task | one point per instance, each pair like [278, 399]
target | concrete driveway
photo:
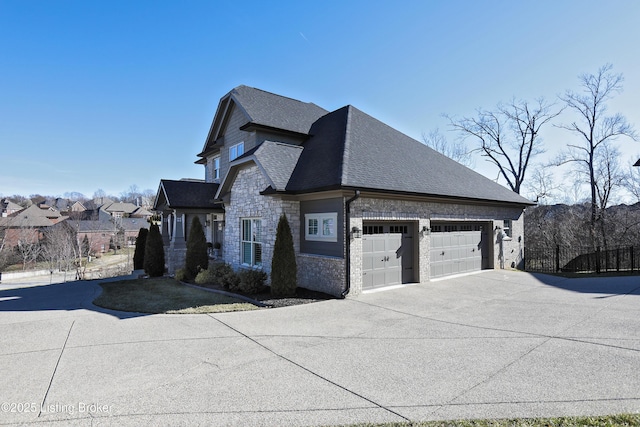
[495, 344]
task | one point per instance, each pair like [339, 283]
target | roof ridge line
[346, 145]
[276, 94]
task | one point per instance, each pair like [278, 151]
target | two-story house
[368, 206]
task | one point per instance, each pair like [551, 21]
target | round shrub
[181, 275]
[250, 281]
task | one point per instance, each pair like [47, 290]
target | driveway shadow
[66, 296]
[610, 285]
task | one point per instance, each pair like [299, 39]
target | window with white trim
[251, 242]
[321, 226]
[507, 227]
[216, 167]
[236, 151]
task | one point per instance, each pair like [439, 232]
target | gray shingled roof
[350, 149]
[33, 216]
[276, 111]
[189, 194]
[125, 207]
[278, 160]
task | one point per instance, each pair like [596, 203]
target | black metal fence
[582, 260]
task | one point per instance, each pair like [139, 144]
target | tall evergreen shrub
[154, 253]
[197, 258]
[283, 265]
[138, 254]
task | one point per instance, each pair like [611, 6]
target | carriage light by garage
[356, 233]
[425, 231]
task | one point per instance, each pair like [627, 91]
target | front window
[322, 227]
[251, 242]
[236, 151]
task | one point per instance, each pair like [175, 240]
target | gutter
[348, 245]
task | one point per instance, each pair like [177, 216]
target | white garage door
[455, 252]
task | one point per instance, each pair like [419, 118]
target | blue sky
[109, 94]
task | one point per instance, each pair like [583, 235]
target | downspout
[347, 222]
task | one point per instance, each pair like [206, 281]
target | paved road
[495, 344]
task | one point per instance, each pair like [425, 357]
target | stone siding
[174, 258]
[321, 273]
[246, 202]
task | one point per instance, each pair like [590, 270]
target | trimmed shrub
[218, 274]
[154, 253]
[138, 253]
[196, 258]
[181, 275]
[204, 277]
[250, 281]
[284, 270]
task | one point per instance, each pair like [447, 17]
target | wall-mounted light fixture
[356, 233]
[425, 231]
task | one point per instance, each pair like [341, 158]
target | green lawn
[601, 421]
[165, 295]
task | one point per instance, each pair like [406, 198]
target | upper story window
[236, 151]
[215, 173]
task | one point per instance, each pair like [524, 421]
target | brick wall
[246, 202]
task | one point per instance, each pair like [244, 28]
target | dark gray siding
[323, 248]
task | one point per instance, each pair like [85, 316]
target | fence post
[617, 259]
[598, 260]
[557, 258]
[632, 258]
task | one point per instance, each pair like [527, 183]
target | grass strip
[165, 295]
[621, 420]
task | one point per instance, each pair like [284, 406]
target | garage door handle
[442, 253]
[385, 259]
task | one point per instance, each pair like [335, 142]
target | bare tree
[609, 178]
[509, 135]
[593, 128]
[148, 197]
[60, 248]
[131, 194]
[454, 150]
[541, 186]
[28, 244]
[632, 181]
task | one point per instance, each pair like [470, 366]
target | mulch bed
[302, 296]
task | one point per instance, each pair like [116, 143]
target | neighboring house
[130, 227]
[99, 230]
[367, 205]
[120, 209]
[126, 210]
[28, 224]
[7, 207]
